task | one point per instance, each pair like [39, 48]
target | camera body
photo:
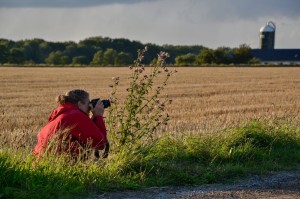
[106, 103]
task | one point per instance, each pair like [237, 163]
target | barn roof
[279, 55]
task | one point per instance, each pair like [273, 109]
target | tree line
[104, 51]
[221, 55]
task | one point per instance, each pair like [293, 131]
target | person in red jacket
[72, 127]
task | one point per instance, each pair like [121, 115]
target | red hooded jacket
[80, 127]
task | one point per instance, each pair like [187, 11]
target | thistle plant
[133, 121]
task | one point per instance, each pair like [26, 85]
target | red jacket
[82, 130]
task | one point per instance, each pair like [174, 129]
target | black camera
[106, 103]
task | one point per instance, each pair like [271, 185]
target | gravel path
[283, 185]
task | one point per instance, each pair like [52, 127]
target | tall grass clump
[256, 147]
[132, 121]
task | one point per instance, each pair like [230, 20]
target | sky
[211, 23]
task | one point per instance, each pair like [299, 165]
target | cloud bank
[211, 23]
[62, 3]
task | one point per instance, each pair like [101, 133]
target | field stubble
[204, 99]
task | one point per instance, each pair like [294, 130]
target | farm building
[276, 56]
[268, 54]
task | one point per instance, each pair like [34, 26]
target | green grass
[254, 148]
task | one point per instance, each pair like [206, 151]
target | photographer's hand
[98, 110]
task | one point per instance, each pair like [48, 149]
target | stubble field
[204, 99]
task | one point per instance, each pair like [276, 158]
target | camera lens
[106, 103]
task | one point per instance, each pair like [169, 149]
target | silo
[267, 36]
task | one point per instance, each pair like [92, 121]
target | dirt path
[283, 185]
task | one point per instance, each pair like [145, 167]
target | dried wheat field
[204, 99]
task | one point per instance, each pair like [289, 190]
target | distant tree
[222, 55]
[188, 59]
[5, 48]
[44, 51]
[71, 49]
[91, 41]
[57, 46]
[16, 56]
[109, 57]
[85, 50]
[64, 60]
[123, 59]
[152, 51]
[98, 58]
[206, 57]
[242, 55]
[4, 54]
[81, 60]
[32, 50]
[57, 58]
[176, 50]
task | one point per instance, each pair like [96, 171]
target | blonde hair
[72, 96]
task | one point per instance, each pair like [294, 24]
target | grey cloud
[253, 9]
[218, 11]
[62, 3]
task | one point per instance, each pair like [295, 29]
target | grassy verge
[254, 148]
